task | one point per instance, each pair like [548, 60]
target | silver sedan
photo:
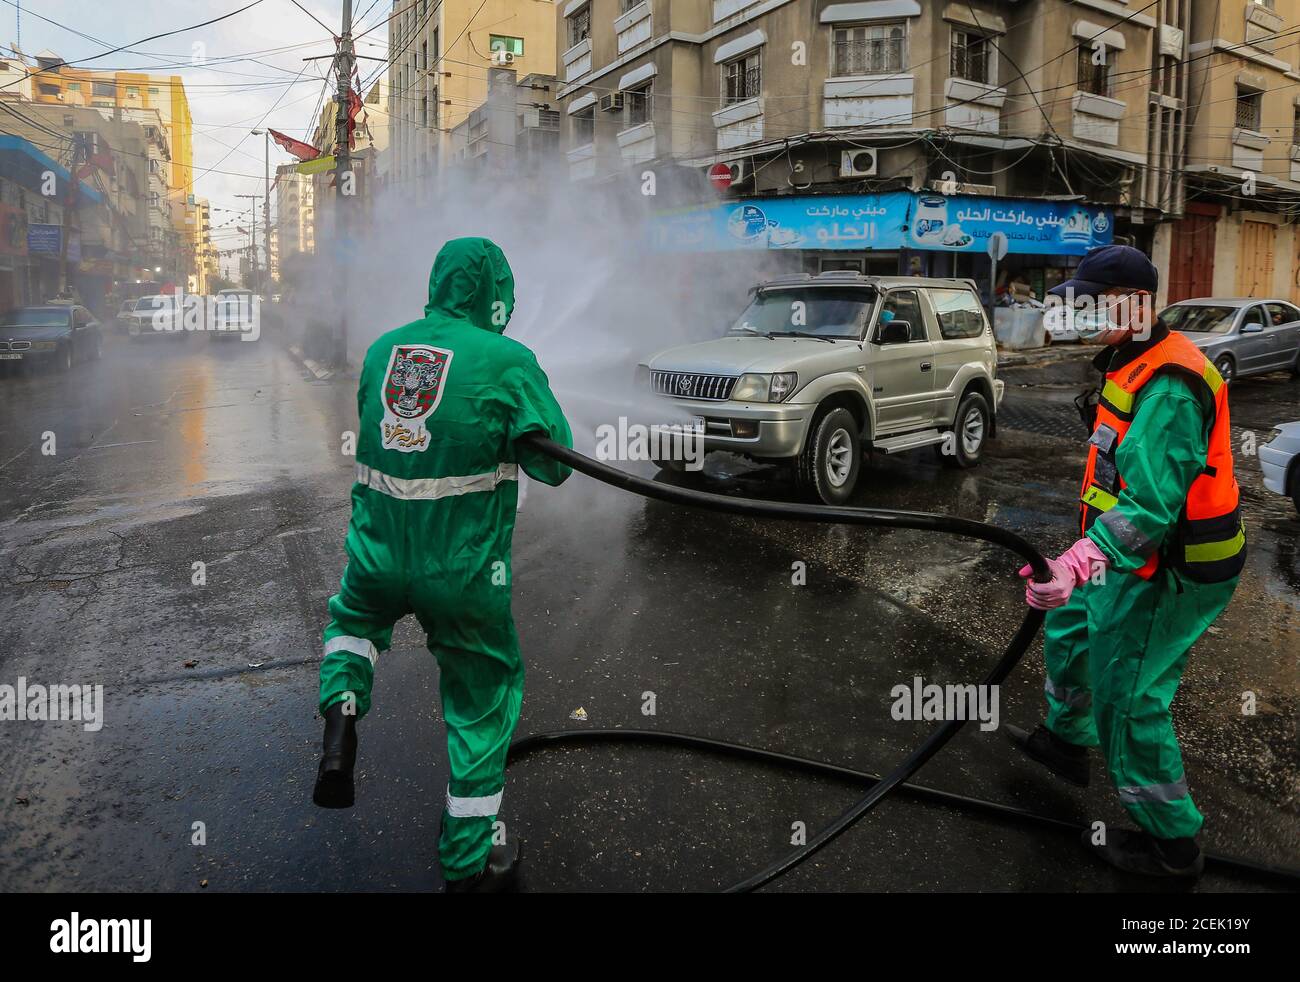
[1242, 336]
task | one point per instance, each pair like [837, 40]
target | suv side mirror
[895, 332]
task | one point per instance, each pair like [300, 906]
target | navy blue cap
[1112, 267]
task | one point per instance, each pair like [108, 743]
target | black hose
[880, 786]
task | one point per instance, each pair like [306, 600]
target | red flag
[354, 107]
[303, 151]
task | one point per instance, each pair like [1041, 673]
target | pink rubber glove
[1070, 569]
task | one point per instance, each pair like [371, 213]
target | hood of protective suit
[471, 281]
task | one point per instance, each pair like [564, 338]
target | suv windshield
[824, 311]
[155, 303]
[1198, 319]
[36, 317]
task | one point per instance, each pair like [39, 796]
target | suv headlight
[764, 388]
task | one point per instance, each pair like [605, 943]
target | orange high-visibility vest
[1209, 543]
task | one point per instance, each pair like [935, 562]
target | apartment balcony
[582, 162]
[974, 105]
[867, 100]
[1248, 148]
[633, 27]
[739, 123]
[577, 60]
[722, 9]
[637, 143]
[1096, 118]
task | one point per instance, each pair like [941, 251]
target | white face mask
[1095, 321]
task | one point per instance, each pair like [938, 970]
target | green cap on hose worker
[1125, 602]
[443, 402]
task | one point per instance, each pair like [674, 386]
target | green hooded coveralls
[442, 402]
[1116, 651]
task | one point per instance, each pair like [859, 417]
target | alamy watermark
[55, 703]
[657, 442]
[919, 701]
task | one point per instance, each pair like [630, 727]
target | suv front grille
[689, 385]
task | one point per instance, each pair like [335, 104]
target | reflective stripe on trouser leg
[1065, 651]
[348, 668]
[1141, 631]
[361, 626]
[482, 692]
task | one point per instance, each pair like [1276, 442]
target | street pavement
[174, 452]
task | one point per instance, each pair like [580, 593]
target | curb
[311, 364]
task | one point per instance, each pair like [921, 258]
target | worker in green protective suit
[442, 402]
[1158, 561]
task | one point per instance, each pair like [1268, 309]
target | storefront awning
[25, 165]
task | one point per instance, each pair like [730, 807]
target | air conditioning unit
[611, 102]
[502, 58]
[956, 187]
[857, 163]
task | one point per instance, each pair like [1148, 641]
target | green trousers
[470, 631]
[1115, 654]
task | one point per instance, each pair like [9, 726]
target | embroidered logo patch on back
[413, 385]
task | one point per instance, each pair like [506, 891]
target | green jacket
[1162, 453]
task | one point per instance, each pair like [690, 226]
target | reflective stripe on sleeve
[484, 806]
[1209, 552]
[1128, 534]
[409, 489]
[1095, 497]
[1138, 793]
[1117, 400]
[355, 646]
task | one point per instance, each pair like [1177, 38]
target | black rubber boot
[1140, 852]
[1065, 760]
[500, 875]
[334, 786]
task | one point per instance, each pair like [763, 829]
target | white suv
[820, 368]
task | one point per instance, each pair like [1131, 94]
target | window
[1254, 316]
[960, 314]
[153, 90]
[1295, 135]
[971, 56]
[742, 79]
[1281, 313]
[905, 306]
[103, 89]
[133, 91]
[584, 126]
[1093, 78]
[424, 111]
[154, 198]
[636, 103]
[47, 88]
[502, 42]
[580, 26]
[874, 49]
[1248, 108]
[74, 86]
[424, 55]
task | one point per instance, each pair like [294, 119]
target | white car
[160, 314]
[1279, 459]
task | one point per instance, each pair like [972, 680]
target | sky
[239, 74]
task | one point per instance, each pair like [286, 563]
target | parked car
[60, 335]
[160, 314]
[1279, 459]
[869, 363]
[122, 320]
[1242, 336]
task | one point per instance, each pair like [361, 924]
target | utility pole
[266, 211]
[252, 240]
[343, 179]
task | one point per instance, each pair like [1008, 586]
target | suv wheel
[970, 430]
[831, 458]
[63, 358]
[1226, 367]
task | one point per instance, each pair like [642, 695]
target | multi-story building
[1060, 123]
[1242, 166]
[54, 82]
[439, 57]
[513, 135]
[294, 207]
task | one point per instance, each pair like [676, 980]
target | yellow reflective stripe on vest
[1113, 393]
[1212, 377]
[1211, 552]
[422, 488]
[1095, 497]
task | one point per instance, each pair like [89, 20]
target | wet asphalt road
[180, 451]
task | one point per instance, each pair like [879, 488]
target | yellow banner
[317, 165]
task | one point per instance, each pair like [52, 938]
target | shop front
[899, 233]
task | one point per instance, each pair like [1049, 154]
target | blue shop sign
[895, 220]
[45, 240]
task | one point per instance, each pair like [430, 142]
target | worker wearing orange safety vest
[1161, 548]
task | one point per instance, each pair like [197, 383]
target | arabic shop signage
[44, 240]
[897, 220]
